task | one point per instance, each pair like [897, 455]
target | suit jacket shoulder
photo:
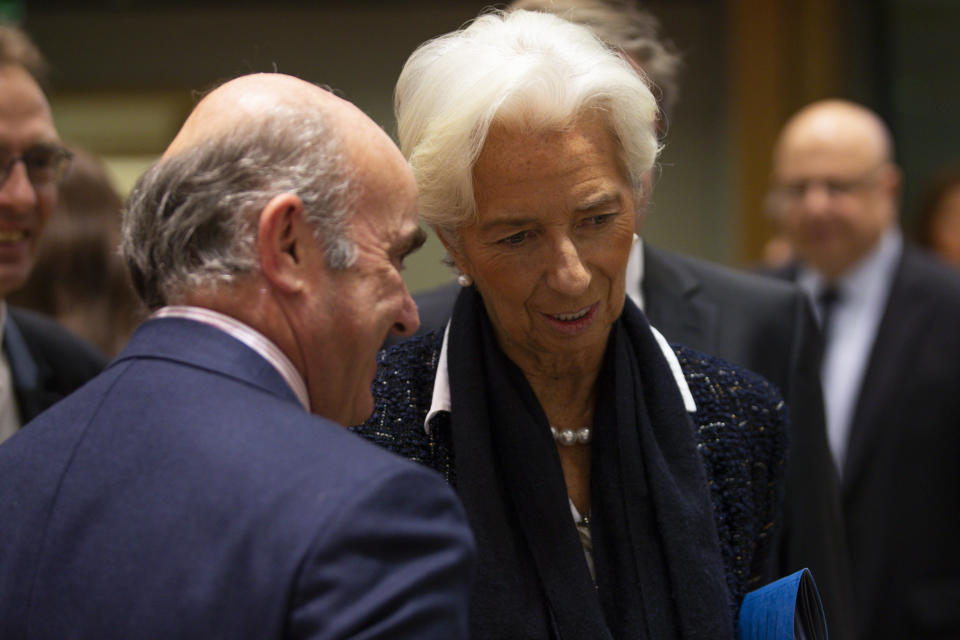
[47, 361]
[232, 506]
[742, 317]
[911, 372]
[920, 271]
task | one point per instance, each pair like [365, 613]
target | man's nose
[408, 320]
[17, 193]
[816, 197]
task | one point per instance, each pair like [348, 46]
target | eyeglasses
[45, 163]
[833, 187]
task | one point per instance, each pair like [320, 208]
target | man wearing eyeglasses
[890, 316]
[40, 362]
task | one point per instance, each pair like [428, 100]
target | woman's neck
[565, 386]
[567, 399]
[568, 402]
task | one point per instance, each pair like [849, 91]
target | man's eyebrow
[412, 242]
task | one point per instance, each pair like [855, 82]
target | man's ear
[283, 238]
[893, 181]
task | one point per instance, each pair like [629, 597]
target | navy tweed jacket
[741, 427]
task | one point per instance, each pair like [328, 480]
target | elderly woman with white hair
[618, 487]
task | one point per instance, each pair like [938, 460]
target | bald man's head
[248, 140]
[838, 122]
[835, 187]
[287, 208]
[246, 101]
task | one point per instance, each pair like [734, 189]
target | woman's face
[549, 249]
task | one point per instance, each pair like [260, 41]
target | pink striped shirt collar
[248, 336]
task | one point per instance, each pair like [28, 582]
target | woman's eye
[597, 221]
[516, 239]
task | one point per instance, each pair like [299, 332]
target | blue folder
[785, 609]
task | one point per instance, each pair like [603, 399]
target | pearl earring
[464, 280]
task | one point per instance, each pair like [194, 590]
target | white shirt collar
[9, 411]
[867, 279]
[441, 385]
[248, 336]
[635, 274]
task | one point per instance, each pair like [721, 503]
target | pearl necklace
[570, 437]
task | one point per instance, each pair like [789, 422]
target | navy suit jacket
[767, 327]
[47, 362]
[185, 493]
[901, 476]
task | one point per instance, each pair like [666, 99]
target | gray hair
[191, 219]
[524, 70]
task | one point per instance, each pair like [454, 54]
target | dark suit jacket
[901, 476]
[767, 327]
[185, 493]
[46, 361]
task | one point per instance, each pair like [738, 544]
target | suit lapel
[899, 326]
[30, 378]
[674, 302]
[884, 367]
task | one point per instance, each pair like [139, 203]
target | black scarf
[660, 573]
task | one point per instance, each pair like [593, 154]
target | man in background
[78, 277]
[40, 363]
[187, 491]
[747, 319]
[891, 366]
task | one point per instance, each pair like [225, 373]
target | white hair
[525, 71]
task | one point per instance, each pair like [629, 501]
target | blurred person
[187, 491]
[16, 47]
[617, 487]
[938, 222]
[891, 365]
[40, 362]
[79, 277]
[777, 252]
[759, 324]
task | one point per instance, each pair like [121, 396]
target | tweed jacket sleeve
[743, 436]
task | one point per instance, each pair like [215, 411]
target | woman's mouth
[573, 322]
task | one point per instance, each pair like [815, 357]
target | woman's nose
[568, 274]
